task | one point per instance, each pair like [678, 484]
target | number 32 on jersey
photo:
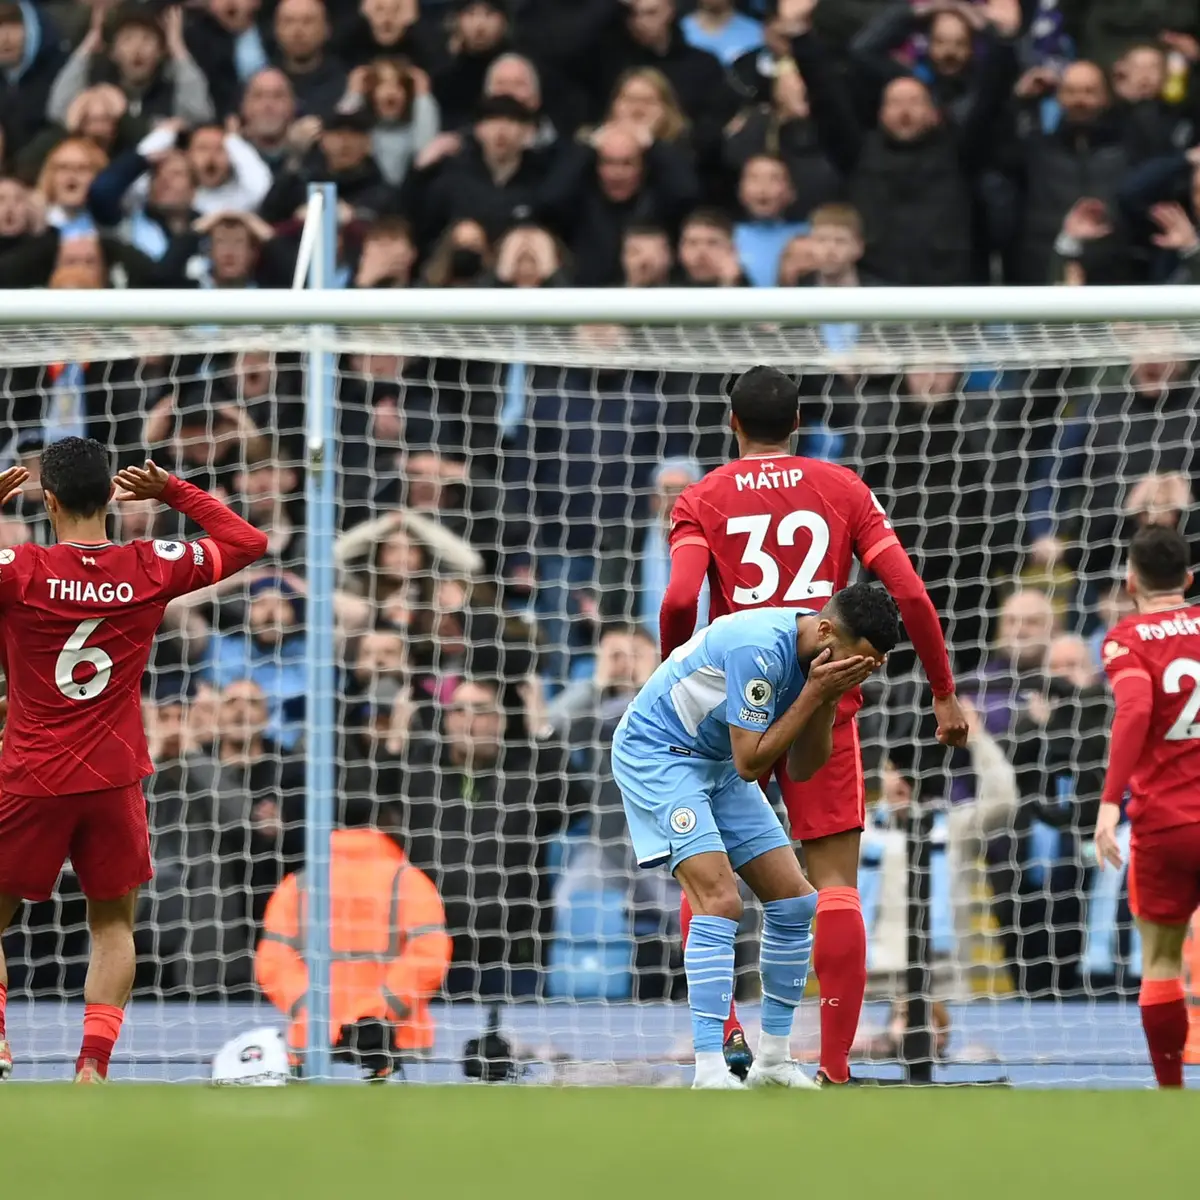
[806, 585]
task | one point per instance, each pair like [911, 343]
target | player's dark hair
[78, 473]
[1160, 557]
[868, 613]
[766, 403]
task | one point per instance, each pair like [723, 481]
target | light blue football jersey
[741, 670]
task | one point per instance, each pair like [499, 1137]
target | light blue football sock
[785, 954]
[708, 964]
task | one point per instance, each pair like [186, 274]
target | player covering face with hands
[77, 620]
[742, 694]
[777, 528]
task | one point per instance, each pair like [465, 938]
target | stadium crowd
[503, 525]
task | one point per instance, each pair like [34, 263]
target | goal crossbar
[568, 306]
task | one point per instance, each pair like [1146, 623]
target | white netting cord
[875, 346]
[501, 555]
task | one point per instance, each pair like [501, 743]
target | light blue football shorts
[679, 805]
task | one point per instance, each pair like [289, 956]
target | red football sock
[840, 961]
[101, 1028]
[685, 923]
[1165, 1021]
[3, 1005]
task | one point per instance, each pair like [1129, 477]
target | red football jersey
[78, 623]
[1165, 647]
[782, 531]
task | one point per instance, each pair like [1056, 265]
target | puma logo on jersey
[768, 479]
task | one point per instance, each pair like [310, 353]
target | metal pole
[320, 709]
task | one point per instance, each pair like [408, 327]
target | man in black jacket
[301, 41]
[912, 178]
[617, 181]
[1088, 154]
[483, 802]
[30, 59]
[343, 157]
[496, 178]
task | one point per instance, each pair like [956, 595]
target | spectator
[625, 659]
[1103, 29]
[387, 29]
[230, 46]
[949, 66]
[267, 112]
[344, 158]
[797, 262]
[971, 824]
[460, 257]
[515, 76]
[480, 810]
[1085, 156]
[650, 36]
[383, 910]
[495, 179]
[752, 75]
[405, 114]
[388, 255]
[614, 181]
[644, 101]
[271, 654]
[837, 246]
[717, 27]
[478, 36]
[782, 127]
[260, 807]
[147, 60]
[670, 479]
[646, 257]
[707, 256]
[98, 113]
[65, 180]
[766, 195]
[30, 60]
[529, 256]
[318, 79]
[922, 234]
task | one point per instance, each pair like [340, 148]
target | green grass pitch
[191, 1143]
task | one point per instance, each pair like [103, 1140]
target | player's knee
[718, 900]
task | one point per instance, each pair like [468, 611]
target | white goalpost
[464, 492]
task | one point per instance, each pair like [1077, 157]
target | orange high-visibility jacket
[388, 939]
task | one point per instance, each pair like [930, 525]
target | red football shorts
[104, 834]
[1164, 875]
[834, 799]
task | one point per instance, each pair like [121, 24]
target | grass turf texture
[180, 1143]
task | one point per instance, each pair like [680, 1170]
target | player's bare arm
[755, 753]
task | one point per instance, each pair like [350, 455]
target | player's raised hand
[141, 483]
[953, 726]
[11, 482]
[1108, 852]
[832, 680]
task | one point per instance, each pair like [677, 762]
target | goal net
[501, 497]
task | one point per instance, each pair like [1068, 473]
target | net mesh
[501, 504]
